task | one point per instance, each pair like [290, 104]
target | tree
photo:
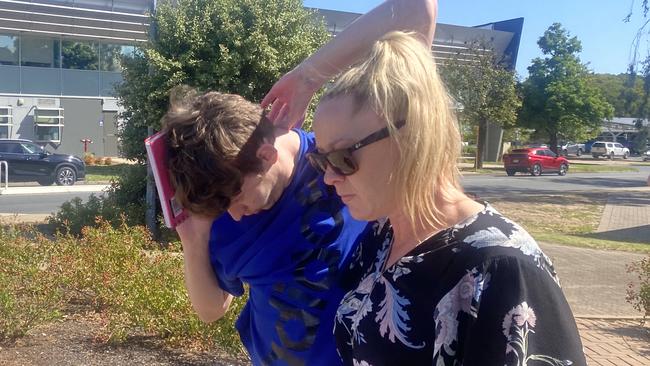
[233, 46]
[623, 91]
[559, 97]
[478, 80]
[640, 140]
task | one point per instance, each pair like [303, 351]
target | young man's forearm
[208, 299]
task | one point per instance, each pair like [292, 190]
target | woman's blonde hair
[399, 81]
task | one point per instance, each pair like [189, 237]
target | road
[38, 203]
[484, 185]
[495, 185]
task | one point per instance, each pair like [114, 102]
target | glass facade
[40, 52]
[80, 55]
[8, 50]
[60, 66]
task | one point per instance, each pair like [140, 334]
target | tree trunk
[553, 142]
[481, 138]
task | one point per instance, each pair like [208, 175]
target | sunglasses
[341, 161]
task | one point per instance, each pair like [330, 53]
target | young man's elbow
[210, 315]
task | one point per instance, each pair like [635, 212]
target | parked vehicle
[30, 162]
[609, 149]
[534, 161]
[571, 148]
[646, 156]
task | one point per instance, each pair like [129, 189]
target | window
[550, 153]
[619, 146]
[8, 50]
[80, 55]
[48, 124]
[11, 148]
[539, 152]
[40, 52]
[6, 122]
[114, 55]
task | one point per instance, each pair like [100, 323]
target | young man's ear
[268, 154]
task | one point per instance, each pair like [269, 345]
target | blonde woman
[446, 280]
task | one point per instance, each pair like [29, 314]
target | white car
[572, 148]
[646, 156]
[609, 149]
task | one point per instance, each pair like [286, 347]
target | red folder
[173, 212]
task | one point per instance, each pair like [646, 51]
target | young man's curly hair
[213, 141]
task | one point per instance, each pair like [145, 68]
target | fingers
[269, 98]
[275, 111]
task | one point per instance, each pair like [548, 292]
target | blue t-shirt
[293, 257]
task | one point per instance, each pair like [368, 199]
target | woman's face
[339, 124]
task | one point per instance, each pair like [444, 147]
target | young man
[285, 234]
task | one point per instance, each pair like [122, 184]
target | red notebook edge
[173, 213]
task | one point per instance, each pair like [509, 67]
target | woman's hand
[290, 96]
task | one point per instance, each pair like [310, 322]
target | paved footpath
[595, 282]
[626, 217]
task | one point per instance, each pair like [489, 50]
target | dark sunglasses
[341, 160]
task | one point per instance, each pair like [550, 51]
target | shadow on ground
[632, 234]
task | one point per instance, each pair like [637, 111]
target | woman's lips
[346, 197]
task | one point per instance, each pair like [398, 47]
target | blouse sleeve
[518, 316]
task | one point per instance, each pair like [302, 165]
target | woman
[453, 282]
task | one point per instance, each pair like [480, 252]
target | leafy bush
[108, 161]
[135, 285]
[28, 297]
[99, 160]
[124, 200]
[640, 298]
[89, 158]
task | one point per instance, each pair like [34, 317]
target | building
[59, 61]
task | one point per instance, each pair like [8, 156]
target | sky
[598, 24]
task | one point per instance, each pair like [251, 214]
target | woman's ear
[268, 154]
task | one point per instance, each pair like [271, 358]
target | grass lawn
[569, 219]
[103, 173]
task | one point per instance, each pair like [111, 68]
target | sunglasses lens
[342, 162]
[318, 161]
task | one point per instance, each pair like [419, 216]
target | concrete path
[53, 189]
[626, 217]
[595, 283]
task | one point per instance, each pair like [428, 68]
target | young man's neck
[287, 143]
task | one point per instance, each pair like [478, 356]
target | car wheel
[611, 156]
[536, 170]
[510, 172]
[45, 181]
[563, 169]
[625, 155]
[579, 152]
[65, 176]
[594, 156]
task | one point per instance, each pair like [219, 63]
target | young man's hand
[195, 229]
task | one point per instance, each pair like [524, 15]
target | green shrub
[28, 297]
[640, 298]
[135, 285]
[124, 201]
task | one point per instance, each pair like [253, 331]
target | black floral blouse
[478, 293]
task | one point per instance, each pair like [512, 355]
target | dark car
[28, 161]
[535, 161]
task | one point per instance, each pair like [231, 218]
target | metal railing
[4, 168]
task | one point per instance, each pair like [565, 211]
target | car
[646, 156]
[27, 161]
[572, 148]
[534, 161]
[609, 149]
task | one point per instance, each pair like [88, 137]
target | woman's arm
[291, 94]
[208, 299]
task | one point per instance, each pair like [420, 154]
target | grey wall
[82, 120]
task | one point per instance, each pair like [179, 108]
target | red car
[534, 160]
